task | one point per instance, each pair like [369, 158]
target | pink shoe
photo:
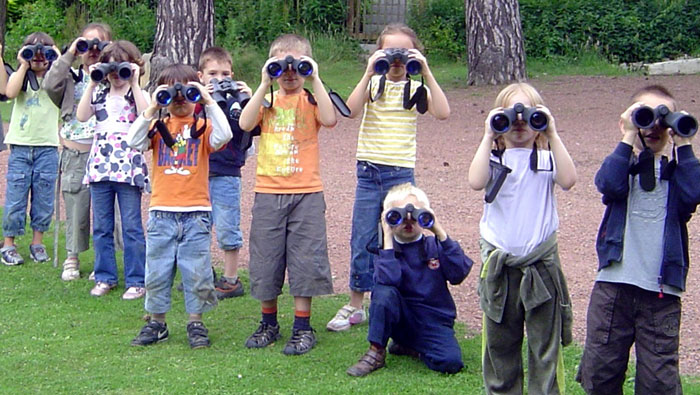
[101, 289]
[134, 293]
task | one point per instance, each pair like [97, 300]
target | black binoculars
[30, 50]
[683, 125]
[123, 70]
[302, 67]
[227, 87]
[391, 55]
[502, 122]
[397, 215]
[190, 92]
[85, 45]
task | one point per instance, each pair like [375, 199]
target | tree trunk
[183, 30]
[495, 49]
[3, 23]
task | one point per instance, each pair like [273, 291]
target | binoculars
[227, 87]
[123, 70]
[30, 51]
[682, 124]
[190, 92]
[302, 67]
[391, 55]
[502, 122]
[85, 45]
[397, 215]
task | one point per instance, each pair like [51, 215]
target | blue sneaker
[10, 256]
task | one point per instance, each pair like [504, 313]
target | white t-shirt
[524, 213]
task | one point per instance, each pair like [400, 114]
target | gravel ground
[586, 110]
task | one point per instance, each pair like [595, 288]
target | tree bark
[3, 23]
[495, 48]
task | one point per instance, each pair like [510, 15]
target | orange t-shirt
[181, 172]
[288, 155]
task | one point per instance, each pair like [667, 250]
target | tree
[495, 49]
[3, 22]
[183, 30]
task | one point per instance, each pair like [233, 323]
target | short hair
[177, 72]
[402, 191]
[122, 51]
[399, 28]
[103, 28]
[290, 42]
[511, 90]
[658, 90]
[217, 54]
[38, 38]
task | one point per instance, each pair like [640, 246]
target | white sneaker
[346, 317]
[134, 293]
[71, 269]
[91, 277]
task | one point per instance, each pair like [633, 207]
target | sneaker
[151, 333]
[371, 361]
[226, 289]
[346, 317]
[91, 277]
[198, 335]
[265, 335]
[71, 269]
[10, 256]
[301, 342]
[38, 253]
[101, 289]
[134, 293]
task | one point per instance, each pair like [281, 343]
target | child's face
[93, 55]
[38, 63]
[114, 81]
[181, 107]
[215, 69]
[657, 137]
[290, 82]
[408, 230]
[520, 134]
[397, 72]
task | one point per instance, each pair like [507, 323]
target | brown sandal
[371, 361]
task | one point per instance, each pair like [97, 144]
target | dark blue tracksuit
[412, 304]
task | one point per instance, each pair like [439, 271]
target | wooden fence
[367, 18]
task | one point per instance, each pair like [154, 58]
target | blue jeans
[103, 194]
[225, 195]
[29, 169]
[373, 182]
[182, 240]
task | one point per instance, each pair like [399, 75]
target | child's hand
[135, 75]
[679, 140]
[551, 130]
[154, 105]
[265, 78]
[74, 46]
[437, 229]
[629, 131]
[22, 62]
[206, 98]
[415, 54]
[388, 233]
[378, 54]
[243, 87]
[314, 67]
[488, 131]
[92, 83]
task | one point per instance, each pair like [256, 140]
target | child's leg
[103, 195]
[134, 241]
[225, 200]
[436, 343]
[43, 190]
[194, 261]
[161, 255]
[17, 189]
[76, 198]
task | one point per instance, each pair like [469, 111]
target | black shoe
[398, 349]
[151, 333]
[265, 335]
[198, 335]
[301, 342]
[226, 289]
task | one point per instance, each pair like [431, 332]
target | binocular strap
[419, 99]
[77, 77]
[380, 88]
[161, 128]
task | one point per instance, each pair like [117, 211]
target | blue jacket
[613, 181]
[228, 160]
[420, 271]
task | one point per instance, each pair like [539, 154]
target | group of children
[199, 146]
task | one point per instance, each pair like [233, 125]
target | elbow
[442, 115]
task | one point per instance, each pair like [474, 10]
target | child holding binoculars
[33, 140]
[65, 87]
[411, 302]
[386, 147]
[288, 230]
[642, 249]
[179, 221]
[114, 170]
[521, 280]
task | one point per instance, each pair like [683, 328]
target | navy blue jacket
[613, 181]
[420, 271]
[228, 160]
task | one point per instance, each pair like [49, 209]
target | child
[643, 256]
[225, 174]
[115, 170]
[521, 279]
[410, 299]
[65, 87]
[179, 221]
[288, 230]
[386, 154]
[33, 162]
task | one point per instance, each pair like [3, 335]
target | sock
[302, 320]
[269, 316]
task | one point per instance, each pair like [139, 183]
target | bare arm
[325, 106]
[437, 101]
[360, 95]
[566, 171]
[14, 83]
[249, 114]
[140, 100]
[85, 110]
[479, 170]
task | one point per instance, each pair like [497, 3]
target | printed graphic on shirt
[31, 102]
[281, 147]
[182, 154]
[433, 264]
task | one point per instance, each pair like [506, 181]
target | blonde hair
[402, 191]
[290, 42]
[507, 93]
[216, 54]
[399, 28]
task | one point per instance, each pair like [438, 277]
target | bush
[441, 26]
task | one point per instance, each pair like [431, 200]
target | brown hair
[122, 51]
[290, 42]
[216, 54]
[399, 28]
[39, 37]
[657, 90]
[177, 72]
[103, 28]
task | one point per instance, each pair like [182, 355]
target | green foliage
[37, 16]
[441, 26]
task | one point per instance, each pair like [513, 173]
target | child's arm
[221, 130]
[140, 99]
[612, 179]
[14, 83]
[454, 264]
[566, 171]
[359, 96]
[137, 138]
[325, 106]
[437, 101]
[249, 114]
[3, 74]
[387, 268]
[687, 172]
[58, 76]
[479, 170]
[85, 110]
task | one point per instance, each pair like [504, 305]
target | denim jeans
[182, 240]
[103, 194]
[30, 169]
[225, 195]
[373, 183]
